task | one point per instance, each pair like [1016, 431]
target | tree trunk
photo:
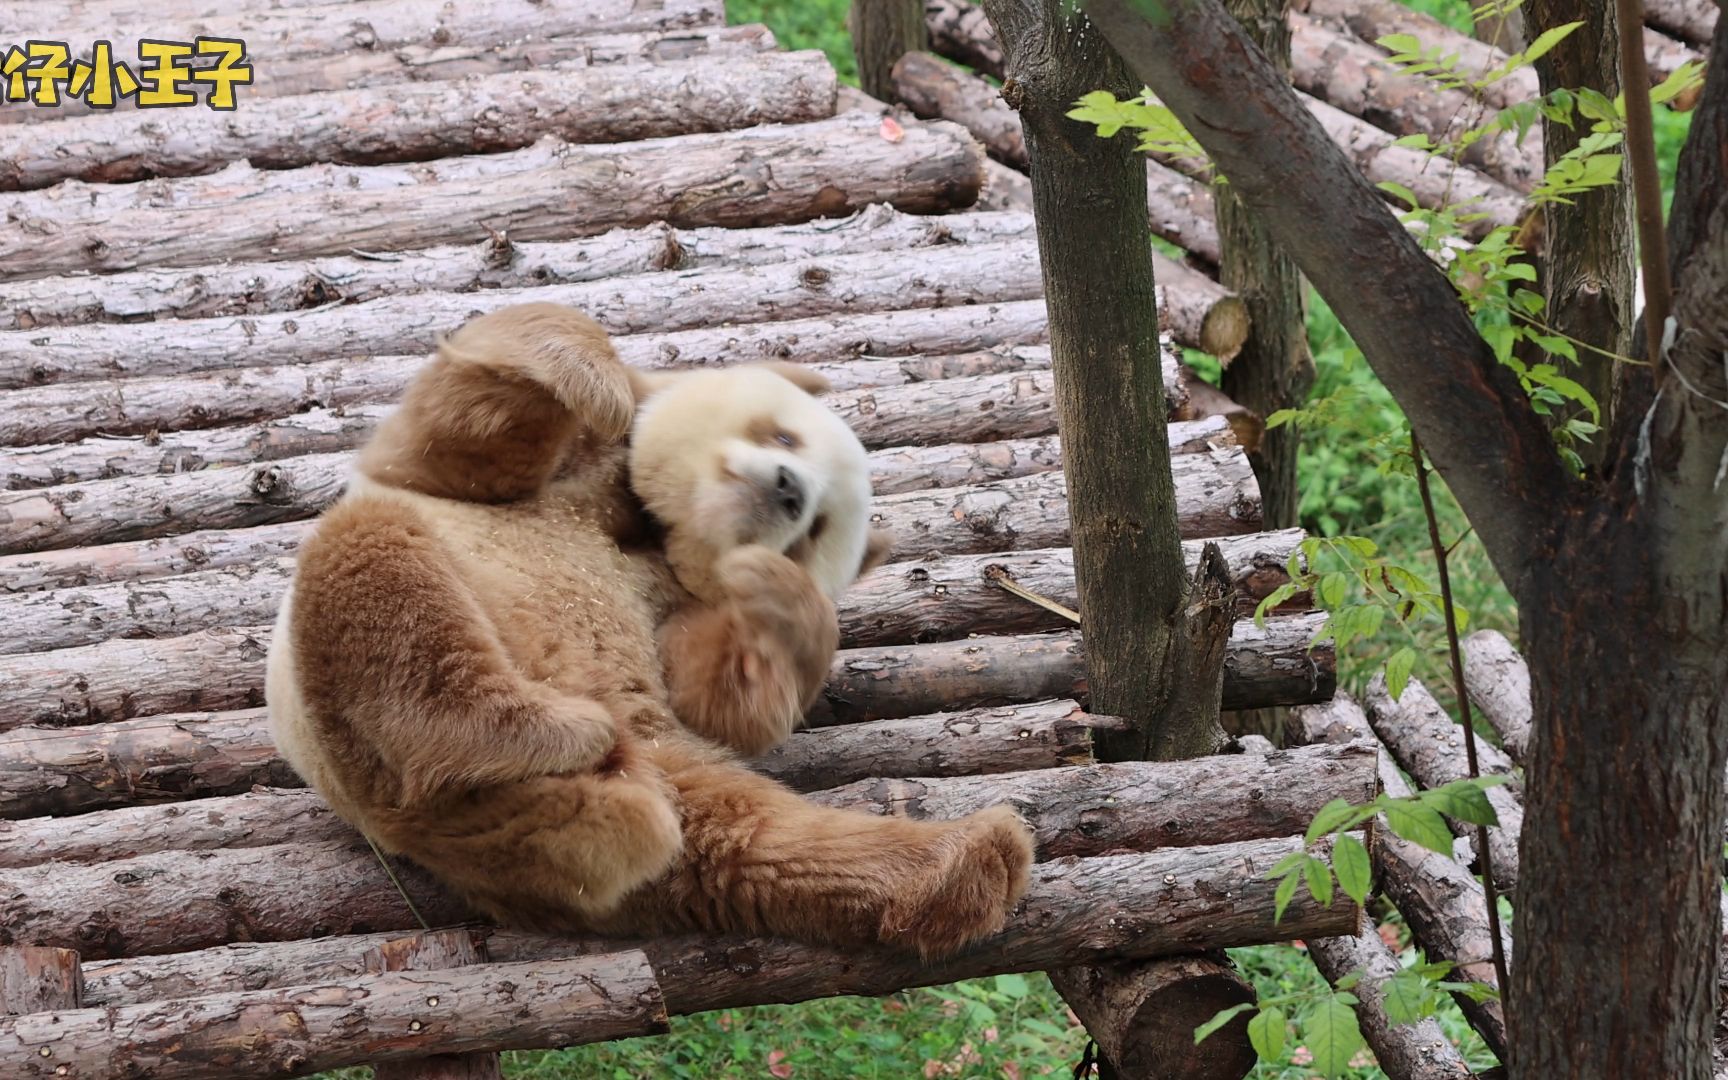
[377, 1018]
[1429, 745]
[224, 669]
[617, 103]
[1585, 261]
[34, 980]
[1274, 370]
[882, 32]
[901, 468]
[1499, 685]
[257, 288]
[1079, 810]
[735, 179]
[135, 764]
[432, 951]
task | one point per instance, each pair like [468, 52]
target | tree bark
[379, 1018]
[224, 669]
[1275, 370]
[34, 980]
[1439, 899]
[1499, 684]
[130, 767]
[1078, 810]
[882, 32]
[256, 288]
[432, 951]
[616, 103]
[1585, 264]
[1427, 742]
[735, 179]
[901, 468]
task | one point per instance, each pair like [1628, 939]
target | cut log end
[1224, 328]
[1143, 1016]
[36, 979]
[431, 951]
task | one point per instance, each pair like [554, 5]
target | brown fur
[476, 672]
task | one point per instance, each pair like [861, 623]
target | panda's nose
[789, 492]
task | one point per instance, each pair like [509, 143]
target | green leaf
[1546, 41]
[1219, 1019]
[1319, 877]
[1419, 824]
[1464, 800]
[1273, 599]
[1012, 985]
[1350, 862]
[1406, 997]
[1398, 668]
[1286, 865]
[1403, 193]
[1400, 43]
[1332, 815]
[1685, 77]
[1360, 545]
[1266, 1033]
[1281, 417]
[1332, 1035]
[1332, 589]
[1281, 899]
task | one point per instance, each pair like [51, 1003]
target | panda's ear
[798, 375]
[877, 547]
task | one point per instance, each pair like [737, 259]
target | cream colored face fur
[727, 458]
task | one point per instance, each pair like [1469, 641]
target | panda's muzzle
[789, 493]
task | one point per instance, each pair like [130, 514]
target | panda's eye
[785, 438]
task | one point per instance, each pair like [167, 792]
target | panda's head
[746, 455]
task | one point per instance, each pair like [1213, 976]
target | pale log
[615, 103]
[960, 31]
[253, 288]
[1004, 188]
[1080, 810]
[1689, 20]
[1498, 682]
[431, 951]
[1439, 899]
[174, 901]
[36, 979]
[1074, 910]
[129, 767]
[1429, 745]
[739, 179]
[380, 1018]
[1198, 311]
[1182, 211]
[906, 468]
[224, 669]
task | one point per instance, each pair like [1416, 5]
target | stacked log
[1498, 682]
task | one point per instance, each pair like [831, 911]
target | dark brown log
[128, 767]
[1134, 1011]
[378, 1018]
[1418, 1051]
[1428, 744]
[1499, 686]
[432, 951]
[253, 288]
[1439, 899]
[1088, 909]
[34, 980]
[960, 31]
[615, 103]
[742, 178]
[905, 468]
[224, 669]
[882, 32]
[1217, 493]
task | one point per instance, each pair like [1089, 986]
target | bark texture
[432, 951]
[1133, 1010]
[735, 179]
[34, 979]
[379, 1018]
[1499, 684]
[882, 32]
[224, 669]
[615, 103]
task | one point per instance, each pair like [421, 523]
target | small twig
[1000, 576]
[1646, 181]
[1489, 894]
[391, 874]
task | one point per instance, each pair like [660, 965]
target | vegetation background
[1016, 1026]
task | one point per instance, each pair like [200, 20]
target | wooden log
[1079, 810]
[129, 769]
[1217, 492]
[1498, 682]
[1005, 188]
[1123, 1003]
[224, 669]
[1198, 311]
[1074, 910]
[901, 468]
[1429, 745]
[739, 179]
[615, 103]
[960, 31]
[1689, 20]
[378, 1018]
[1439, 899]
[433, 951]
[34, 980]
[1355, 76]
[1182, 211]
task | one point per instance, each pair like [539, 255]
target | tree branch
[1470, 412]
